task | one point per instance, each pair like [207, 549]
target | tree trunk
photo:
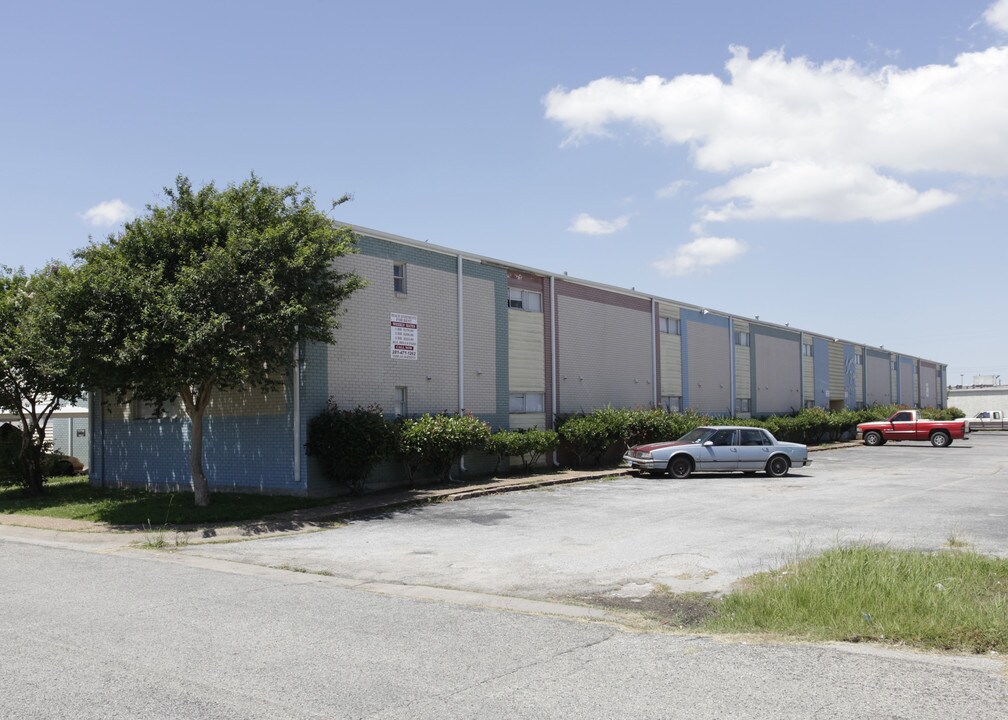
[31, 466]
[200, 486]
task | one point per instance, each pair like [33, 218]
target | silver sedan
[719, 449]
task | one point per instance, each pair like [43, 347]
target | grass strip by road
[73, 498]
[948, 600]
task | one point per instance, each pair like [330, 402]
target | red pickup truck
[906, 425]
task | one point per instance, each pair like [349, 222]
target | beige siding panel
[879, 380]
[778, 375]
[928, 386]
[907, 392]
[526, 352]
[361, 369]
[479, 339]
[808, 379]
[666, 310]
[523, 421]
[709, 373]
[743, 371]
[671, 363]
[247, 403]
[604, 355]
[836, 371]
[740, 325]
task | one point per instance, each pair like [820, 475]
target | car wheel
[873, 438]
[940, 439]
[778, 466]
[680, 467]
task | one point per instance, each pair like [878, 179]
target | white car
[719, 449]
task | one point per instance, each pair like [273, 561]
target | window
[742, 338]
[858, 360]
[669, 326]
[401, 405]
[806, 349]
[723, 437]
[742, 405]
[527, 300]
[671, 403]
[399, 278]
[526, 403]
[753, 436]
[901, 417]
[810, 404]
[894, 365]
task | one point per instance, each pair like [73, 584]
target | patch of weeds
[947, 600]
[955, 539]
[299, 569]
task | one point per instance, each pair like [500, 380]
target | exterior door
[754, 449]
[902, 426]
[721, 454]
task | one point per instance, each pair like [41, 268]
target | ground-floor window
[671, 403]
[742, 405]
[530, 402]
[401, 401]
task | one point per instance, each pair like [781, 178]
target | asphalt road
[142, 634]
[628, 535]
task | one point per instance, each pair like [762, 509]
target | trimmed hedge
[592, 436]
[529, 445]
[439, 441]
[349, 443]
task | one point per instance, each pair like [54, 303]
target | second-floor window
[527, 300]
[669, 326]
[399, 278]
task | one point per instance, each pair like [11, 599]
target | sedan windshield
[697, 435]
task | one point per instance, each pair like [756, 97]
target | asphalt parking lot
[625, 536]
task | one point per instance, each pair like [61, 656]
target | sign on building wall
[404, 336]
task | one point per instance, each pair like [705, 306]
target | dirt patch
[683, 610]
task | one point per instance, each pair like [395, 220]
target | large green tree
[37, 359]
[210, 292]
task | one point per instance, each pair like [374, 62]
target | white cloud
[587, 225]
[672, 189]
[805, 190]
[997, 15]
[701, 253]
[108, 213]
[774, 116]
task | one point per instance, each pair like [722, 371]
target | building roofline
[486, 260]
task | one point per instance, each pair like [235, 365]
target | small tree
[212, 291]
[37, 366]
[349, 443]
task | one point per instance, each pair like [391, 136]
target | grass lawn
[73, 498]
[950, 600]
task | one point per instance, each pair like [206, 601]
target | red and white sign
[404, 336]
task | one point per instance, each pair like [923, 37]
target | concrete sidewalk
[316, 518]
[303, 520]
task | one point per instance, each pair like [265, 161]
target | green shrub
[349, 443]
[439, 441]
[590, 436]
[529, 445]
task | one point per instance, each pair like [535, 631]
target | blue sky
[842, 167]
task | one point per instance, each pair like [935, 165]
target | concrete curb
[298, 521]
[319, 518]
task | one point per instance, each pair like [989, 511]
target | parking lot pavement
[701, 534]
